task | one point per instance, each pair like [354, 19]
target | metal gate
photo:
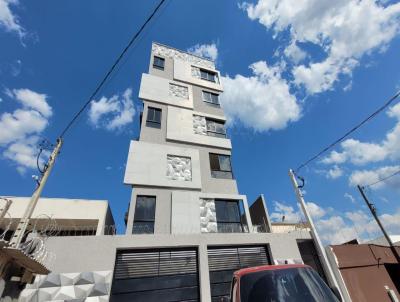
[223, 261]
[156, 275]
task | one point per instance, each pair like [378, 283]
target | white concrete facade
[67, 213]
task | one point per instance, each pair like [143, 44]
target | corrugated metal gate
[223, 261]
[156, 275]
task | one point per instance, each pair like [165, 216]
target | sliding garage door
[156, 275]
[223, 261]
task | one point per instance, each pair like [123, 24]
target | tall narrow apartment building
[187, 226]
[184, 185]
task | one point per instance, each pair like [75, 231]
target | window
[158, 62]
[208, 75]
[215, 128]
[143, 222]
[153, 117]
[210, 97]
[228, 216]
[220, 166]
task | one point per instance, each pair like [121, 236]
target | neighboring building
[366, 272]
[63, 217]
[188, 227]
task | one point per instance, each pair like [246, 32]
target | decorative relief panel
[179, 168]
[176, 54]
[85, 286]
[178, 91]
[208, 216]
[195, 72]
[199, 124]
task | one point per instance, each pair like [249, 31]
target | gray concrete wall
[200, 105]
[259, 214]
[96, 253]
[163, 209]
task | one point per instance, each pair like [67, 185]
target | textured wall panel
[84, 286]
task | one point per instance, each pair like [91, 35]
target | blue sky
[296, 77]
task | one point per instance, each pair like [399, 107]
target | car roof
[245, 271]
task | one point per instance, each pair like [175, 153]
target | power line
[382, 179]
[105, 78]
[371, 116]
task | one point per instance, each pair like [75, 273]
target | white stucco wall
[183, 73]
[78, 212]
[157, 89]
[147, 165]
[180, 128]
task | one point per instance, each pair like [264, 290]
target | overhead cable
[382, 179]
[105, 78]
[356, 127]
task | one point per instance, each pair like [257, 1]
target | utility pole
[24, 221]
[314, 234]
[373, 211]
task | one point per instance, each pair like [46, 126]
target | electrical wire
[339, 140]
[382, 179]
[105, 78]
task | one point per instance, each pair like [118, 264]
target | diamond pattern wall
[71, 287]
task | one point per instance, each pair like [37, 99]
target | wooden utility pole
[373, 211]
[314, 234]
[24, 221]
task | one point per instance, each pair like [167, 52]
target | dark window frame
[208, 100]
[151, 121]
[156, 62]
[208, 75]
[218, 172]
[216, 133]
[143, 221]
[229, 224]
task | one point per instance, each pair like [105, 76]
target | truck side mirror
[336, 293]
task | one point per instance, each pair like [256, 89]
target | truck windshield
[285, 285]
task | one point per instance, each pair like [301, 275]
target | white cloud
[8, 20]
[20, 123]
[32, 99]
[350, 197]
[334, 173]
[365, 177]
[315, 210]
[23, 153]
[360, 153]
[261, 101]
[209, 51]
[20, 128]
[345, 30]
[295, 53]
[112, 113]
[288, 212]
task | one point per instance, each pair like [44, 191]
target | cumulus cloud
[112, 113]
[20, 128]
[209, 51]
[360, 153]
[295, 53]
[365, 177]
[334, 173]
[262, 101]
[283, 210]
[8, 20]
[345, 30]
[337, 229]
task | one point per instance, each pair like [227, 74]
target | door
[156, 275]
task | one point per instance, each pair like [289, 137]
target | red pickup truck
[280, 283]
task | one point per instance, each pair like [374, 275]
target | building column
[204, 274]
